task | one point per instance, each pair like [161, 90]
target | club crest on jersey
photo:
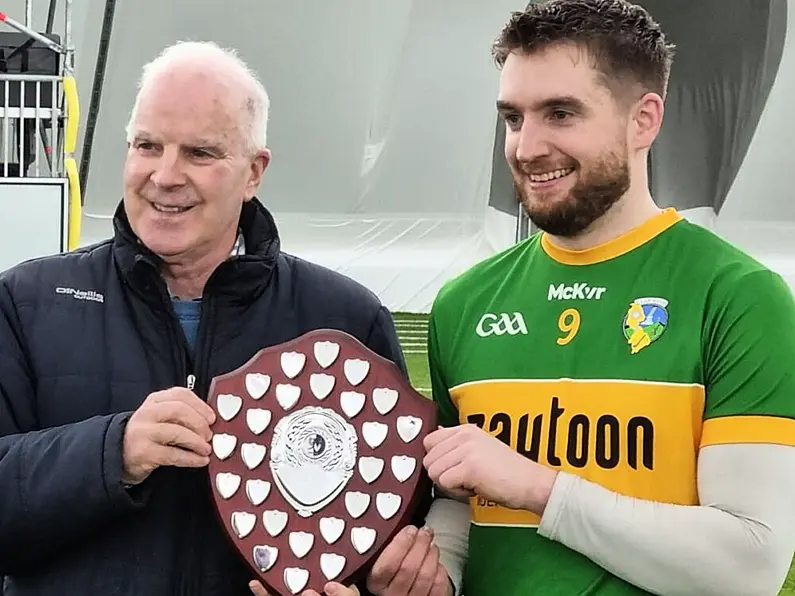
[645, 322]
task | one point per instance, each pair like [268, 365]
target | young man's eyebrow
[561, 101]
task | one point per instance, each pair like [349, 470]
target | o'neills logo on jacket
[82, 294]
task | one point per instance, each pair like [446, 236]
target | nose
[168, 171]
[531, 142]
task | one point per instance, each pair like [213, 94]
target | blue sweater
[188, 312]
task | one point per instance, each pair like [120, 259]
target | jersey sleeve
[448, 413]
[749, 361]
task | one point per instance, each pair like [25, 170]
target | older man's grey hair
[256, 100]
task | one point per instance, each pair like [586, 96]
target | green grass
[789, 585]
[413, 334]
[412, 331]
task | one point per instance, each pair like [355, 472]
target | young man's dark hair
[625, 43]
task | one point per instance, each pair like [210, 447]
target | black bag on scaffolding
[20, 54]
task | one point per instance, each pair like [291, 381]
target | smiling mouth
[170, 208]
[553, 175]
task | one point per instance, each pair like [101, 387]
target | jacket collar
[241, 278]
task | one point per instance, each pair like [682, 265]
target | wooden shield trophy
[317, 459]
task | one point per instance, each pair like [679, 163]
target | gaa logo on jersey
[645, 322]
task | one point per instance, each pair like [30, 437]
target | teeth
[166, 209]
[551, 175]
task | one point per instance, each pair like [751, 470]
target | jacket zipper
[184, 578]
[196, 383]
[200, 357]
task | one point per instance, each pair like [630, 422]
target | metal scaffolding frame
[34, 104]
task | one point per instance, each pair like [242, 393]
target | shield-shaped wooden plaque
[317, 459]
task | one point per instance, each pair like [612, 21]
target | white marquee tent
[386, 162]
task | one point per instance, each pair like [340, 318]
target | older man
[106, 353]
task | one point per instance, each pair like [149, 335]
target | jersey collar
[615, 247]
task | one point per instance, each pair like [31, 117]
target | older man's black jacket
[84, 338]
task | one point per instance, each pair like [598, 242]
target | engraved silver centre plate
[312, 457]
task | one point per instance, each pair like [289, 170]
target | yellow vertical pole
[70, 143]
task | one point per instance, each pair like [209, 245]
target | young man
[619, 389]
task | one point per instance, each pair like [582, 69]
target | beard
[599, 186]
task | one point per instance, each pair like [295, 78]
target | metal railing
[24, 143]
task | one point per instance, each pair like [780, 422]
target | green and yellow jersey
[617, 364]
